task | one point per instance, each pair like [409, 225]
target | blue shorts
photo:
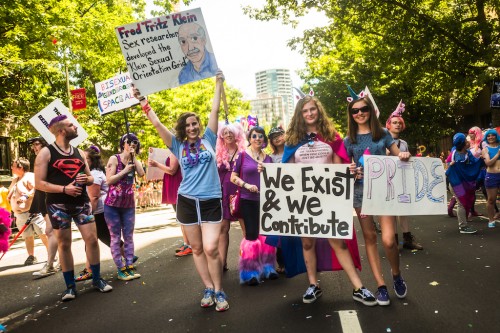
[492, 180]
[61, 215]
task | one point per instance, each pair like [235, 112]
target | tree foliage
[435, 55]
[39, 38]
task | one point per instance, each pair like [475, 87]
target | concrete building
[274, 83]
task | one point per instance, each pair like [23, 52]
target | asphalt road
[452, 287]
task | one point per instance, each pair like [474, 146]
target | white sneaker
[45, 271]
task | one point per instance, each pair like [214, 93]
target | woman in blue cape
[462, 173]
[311, 138]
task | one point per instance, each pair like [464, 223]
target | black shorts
[196, 211]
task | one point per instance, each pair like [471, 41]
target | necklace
[62, 151]
[193, 148]
[258, 154]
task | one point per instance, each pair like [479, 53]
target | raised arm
[164, 133]
[213, 120]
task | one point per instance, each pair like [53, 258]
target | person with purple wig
[119, 206]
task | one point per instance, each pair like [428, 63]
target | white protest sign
[167, 51]
[394, 187]
[306, 200]
[115, 94]
[159, 155]
[41, 121]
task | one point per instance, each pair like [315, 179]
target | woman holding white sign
[199, 206]
[366, 136]
[311, 138]
[257, 258]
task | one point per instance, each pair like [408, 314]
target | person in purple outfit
[257, 258]
[119, 206]
[230, 142]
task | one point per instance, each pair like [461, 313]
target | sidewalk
[147, 222]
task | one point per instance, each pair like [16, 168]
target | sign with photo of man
[167, 51]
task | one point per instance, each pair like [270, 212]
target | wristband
[141, 98]
[64, 189]
[146, 108]
[243, 185]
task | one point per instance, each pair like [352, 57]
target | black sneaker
[364, 296]
[31, 260]
[467, 230]
[102, 286]
[68, 295]
[312, 294]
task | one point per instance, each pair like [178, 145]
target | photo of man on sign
[201, 62]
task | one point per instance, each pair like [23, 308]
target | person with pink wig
[476, 146]
[230, 142]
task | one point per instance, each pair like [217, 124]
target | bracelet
[64, 189]
[243, 185]
[141, 98]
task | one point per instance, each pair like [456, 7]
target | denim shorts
[358, 194]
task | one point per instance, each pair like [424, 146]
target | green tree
[435, 55]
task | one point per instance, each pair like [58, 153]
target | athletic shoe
[467, 230]
[45, 271]
[187, 251]
[132, 272]
[124, 274]
[312, 294]
[400, 286]
[383, 296]
[182, 248]
[221, 303]
[208, 298]
[83, 275]
[491, 224]
[102, 285]
[68, 295]
[31, 260]
[364, 296]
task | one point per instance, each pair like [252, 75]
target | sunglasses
[255, 136]
[130, 142]
[364, 109]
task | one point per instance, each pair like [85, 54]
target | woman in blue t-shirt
[199, 207]
[365, 135]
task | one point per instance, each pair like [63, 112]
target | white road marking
[349, 321]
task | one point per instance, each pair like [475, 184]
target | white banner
[41, 121]
[394, 187]
[159, 155]
[115, 94]
[167, 51]
[306, 200]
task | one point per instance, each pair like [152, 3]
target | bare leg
[370, 237]
[309, 251]
[224, 241]
[388, 241]
[345, 260]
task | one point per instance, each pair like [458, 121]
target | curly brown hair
[297, 129]
[180, 127]
[375, 126]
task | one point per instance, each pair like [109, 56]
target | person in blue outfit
[201, 64]
[199, 204]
